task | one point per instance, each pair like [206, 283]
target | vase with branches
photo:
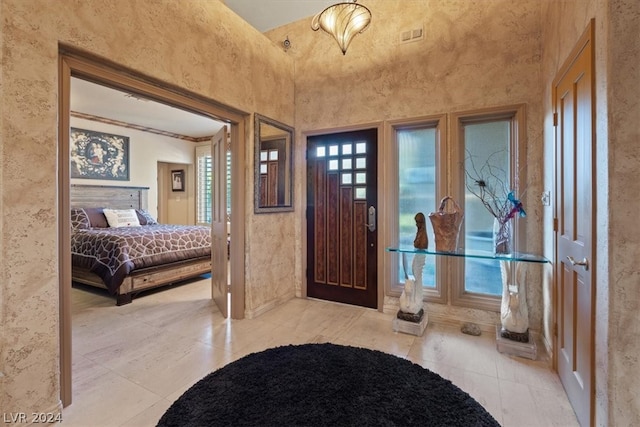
[490, 184]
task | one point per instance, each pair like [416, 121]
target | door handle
[371, 221]
[584, 263]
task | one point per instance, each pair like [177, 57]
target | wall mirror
[273, 166]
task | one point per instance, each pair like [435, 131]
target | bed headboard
[108, 196]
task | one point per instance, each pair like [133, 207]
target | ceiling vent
[414, 35]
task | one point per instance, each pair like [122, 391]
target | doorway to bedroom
[178, 207]
[77, 66]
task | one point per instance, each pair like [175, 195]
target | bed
[118, 246]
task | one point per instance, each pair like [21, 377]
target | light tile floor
[131, 362]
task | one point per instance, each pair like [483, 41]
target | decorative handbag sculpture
[446, 225]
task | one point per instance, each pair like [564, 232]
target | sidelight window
[485, 143]
[417, 171]
[429, 166]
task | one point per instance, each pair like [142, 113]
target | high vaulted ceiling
[99, 101]
[265, 15]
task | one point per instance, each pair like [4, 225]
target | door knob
[584, 263]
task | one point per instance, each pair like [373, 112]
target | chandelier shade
[343, 21]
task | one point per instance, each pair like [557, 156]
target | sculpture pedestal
[527, 350]
[411, 318]
[514, 312]
[410, 327]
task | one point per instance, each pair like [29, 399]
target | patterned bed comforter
[113, 253]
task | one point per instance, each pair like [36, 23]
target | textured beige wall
[623, 251]
[201, 46]
[619, 137]
[475, 54]
[617, 335]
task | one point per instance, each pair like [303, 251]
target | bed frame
[103, 196]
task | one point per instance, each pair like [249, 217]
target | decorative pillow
[79, 219]
[145, 217]
[121, 217]
[96, 218]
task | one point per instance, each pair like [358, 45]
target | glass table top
[514, 256]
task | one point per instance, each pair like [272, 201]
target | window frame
[450, 156]
[516, 114]
[439, 122]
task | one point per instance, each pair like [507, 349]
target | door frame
[586, 41]
[76, 63]
[381, 211]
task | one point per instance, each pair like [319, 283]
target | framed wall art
[177, 180]
[99, 155]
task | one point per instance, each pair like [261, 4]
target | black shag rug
[324, 385]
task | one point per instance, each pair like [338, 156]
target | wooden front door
[341, 217]
[219, 254]
[575, 193]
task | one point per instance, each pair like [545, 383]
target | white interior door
[219, 236]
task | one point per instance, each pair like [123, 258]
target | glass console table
[515, 256]
[514, 311]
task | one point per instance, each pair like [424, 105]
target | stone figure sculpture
[421, 241]
[411, 298]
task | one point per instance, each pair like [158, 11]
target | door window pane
[417, 192]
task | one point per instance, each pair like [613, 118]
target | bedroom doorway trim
[76, 63]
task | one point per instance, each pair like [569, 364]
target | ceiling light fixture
[343, 21]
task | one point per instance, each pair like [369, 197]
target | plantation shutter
[203, 184]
